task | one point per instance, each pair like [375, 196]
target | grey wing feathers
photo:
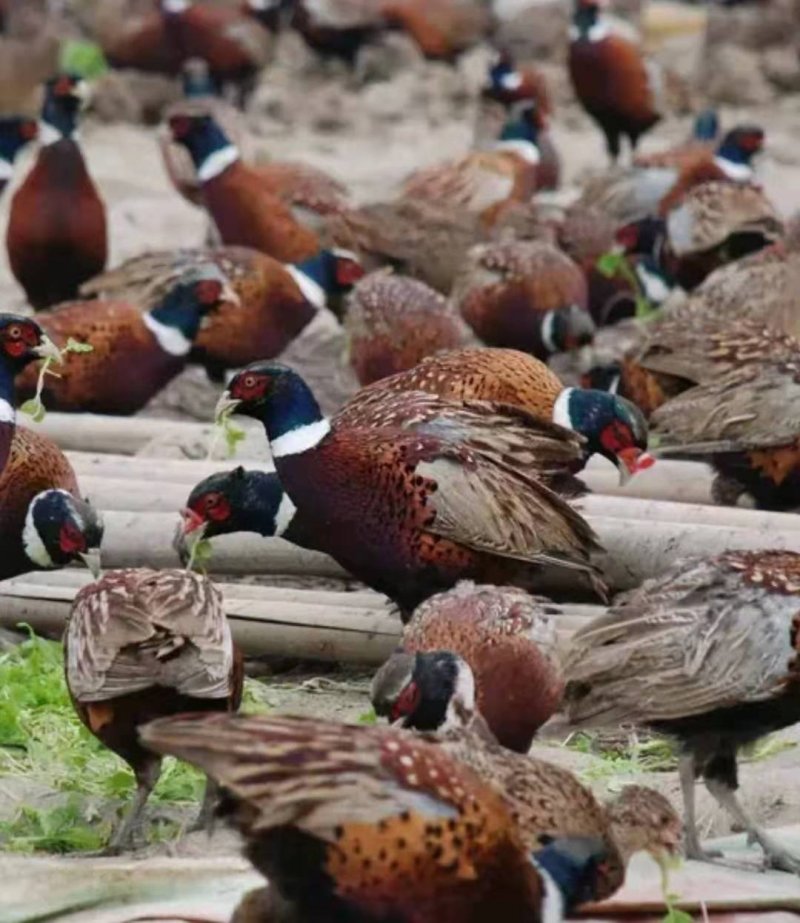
[693, 640]
[748, 408]
[137, 629]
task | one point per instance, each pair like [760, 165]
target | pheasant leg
[205, 818]
[125, 834]
[691, 838]
[777, 856]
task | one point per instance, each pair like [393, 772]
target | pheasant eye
[217, 507]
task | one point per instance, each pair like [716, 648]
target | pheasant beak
[47, 349]
[226, 405]
[91, 559]
[229, 295]
[631, 461]
[192, 521]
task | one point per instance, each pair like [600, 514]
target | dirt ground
[370, 137]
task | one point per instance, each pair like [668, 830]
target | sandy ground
[370, 138]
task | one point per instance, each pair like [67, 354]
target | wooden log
[149, 493]
[145, 540]
[90, 432]
[599, 506]
[133, 468]
[635, 549]
[679, 481]
[303, 628]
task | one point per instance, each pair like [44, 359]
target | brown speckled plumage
[546, 800]
[503, 375]
[508, 638]
[481, 182]
[141, 644]
[433, 495]
[706, 652]
[364, 821]
[393, 322]
[504, 290]
[421, 238]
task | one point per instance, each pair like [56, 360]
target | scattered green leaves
[34, 406]
[369, 717]
[44, 745]
[625, 756]
[615, 264]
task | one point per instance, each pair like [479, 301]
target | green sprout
[224, 427]
[615, 264]
[34, 406]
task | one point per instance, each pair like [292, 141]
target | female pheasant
[706, 653]
[141, 644]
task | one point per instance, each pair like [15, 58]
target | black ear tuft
[239, 472]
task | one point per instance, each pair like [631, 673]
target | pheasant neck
[293, 419]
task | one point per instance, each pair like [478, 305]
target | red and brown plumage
[508, 640]
[265, 311]
[313, 195]
[393, 321]
[141, 644]
[707, 653]
[44, 524]
[234, 44]
[611, 425]
[22, 341]
[441, 29]
[338, 28]
[245, 210]
[419, 506]
[56, 236]
[136, 41]
[371, 823]
[611, 79]
[134, 353]
[525, 295]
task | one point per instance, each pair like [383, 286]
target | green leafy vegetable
[615, 264]
[83, 58]
[225, 428]
[200, 550]
[369, 717]
[45, 748]
[674, 914]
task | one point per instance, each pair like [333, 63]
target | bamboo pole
[311, 625]
[134, 468]
[668, 479]
[151, 493]
[635, 549]
[90, 432]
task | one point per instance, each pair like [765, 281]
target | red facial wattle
[208, 292]
[192, 521]
[348, 272]
[71, 540]
[406, 703]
